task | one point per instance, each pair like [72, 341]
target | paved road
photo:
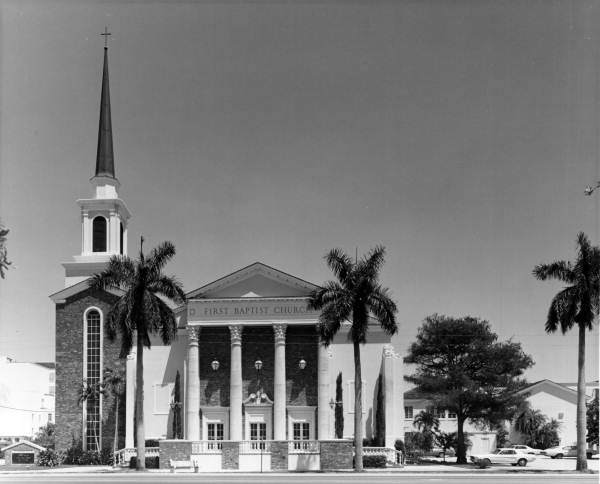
[395, 478]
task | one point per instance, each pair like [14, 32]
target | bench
[183, 464]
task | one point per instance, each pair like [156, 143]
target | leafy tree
[592, 421]
[462, 367]
[446, 440]
[46, 436]
[501, 435]
[139, 312]
[4, 262]
[577, 304]
[339, 408]
[418, 441]
[113, 385]
[177, 408]
[353, 297]
[547, 435]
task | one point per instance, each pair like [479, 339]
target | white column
[323, 409]
[113, 234]
[87, 233]
[192, 394]
[393, 396]
[130, 399]
[235, 384]
[279, 392]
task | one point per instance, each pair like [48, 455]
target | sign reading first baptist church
[211, 310]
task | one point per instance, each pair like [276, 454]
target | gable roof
[62, 295]
[23, 442]
[257, 268]
[552, 388]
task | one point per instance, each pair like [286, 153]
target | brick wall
[21, 448]
[279, 456]
[69, 370]
[336, 454]
[230, 455]
[173, 449]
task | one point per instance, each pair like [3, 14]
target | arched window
[93, 372]
[99, 234]
[121, 238]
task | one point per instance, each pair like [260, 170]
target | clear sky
[459, 134]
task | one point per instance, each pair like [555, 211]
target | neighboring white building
[557, 401]
[482, 440]
[26, 398]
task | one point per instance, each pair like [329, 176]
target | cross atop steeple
[106, 34]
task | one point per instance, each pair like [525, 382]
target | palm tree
[4, 263]
[427, 421]
[576, 304]
[139, 312]
[529, 420]
[113, 384]
[353, 297]
[89, 394]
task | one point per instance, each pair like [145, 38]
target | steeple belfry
[104, 217]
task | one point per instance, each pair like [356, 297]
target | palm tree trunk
[581, 427]
[139, 404]
[116, 430]
[358, 447]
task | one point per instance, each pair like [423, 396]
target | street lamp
[590, 189]
[302, 363]
[215, 364]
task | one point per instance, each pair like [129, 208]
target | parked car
[591, 454]
[525, 449]
[561, 451]
[502, 456]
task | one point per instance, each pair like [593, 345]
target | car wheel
[483, 463]
[522, 462]
[558, 456]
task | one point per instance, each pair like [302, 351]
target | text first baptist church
[250, 364]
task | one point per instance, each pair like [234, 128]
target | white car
[562, 451]
[525, 449]
[503, 456]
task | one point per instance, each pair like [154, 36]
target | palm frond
[373, 261]
[560, 270]
[384, 309]
[340, 263]
[159, 256]
[118, 272]
[330, 291]
[168, 286]
[563, 309]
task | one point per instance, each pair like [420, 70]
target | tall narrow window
[99, 234]
[92, 375]
[121, 238]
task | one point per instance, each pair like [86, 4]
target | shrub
[73, 454]
[151, 462]
[50, 458]
[89, 458]
[106, 456]
[374, 461]
[399, 445]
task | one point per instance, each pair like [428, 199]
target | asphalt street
[345, 478]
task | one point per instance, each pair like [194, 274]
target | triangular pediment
[254, 281]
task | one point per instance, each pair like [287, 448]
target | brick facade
[336, 454]
[22, 447]
[69, 370]
[279, 455]
[173, 449]
[230, 455]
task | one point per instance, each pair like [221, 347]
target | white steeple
[104, 216]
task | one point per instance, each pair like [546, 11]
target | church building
[246, 355]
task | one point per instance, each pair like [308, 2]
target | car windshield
[497, 451]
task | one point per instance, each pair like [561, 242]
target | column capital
[192, 335]
[279, 332]
[132, 355]
[388, 351]
[236, 333]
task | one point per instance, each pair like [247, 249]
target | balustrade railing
[392, 456]
[303, 447]
[207, 447]
[255, 447]
[123, 457]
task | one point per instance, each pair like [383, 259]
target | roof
[252, 269]
[46, 364]
[61, 296]
[105, 165]
[23, 442]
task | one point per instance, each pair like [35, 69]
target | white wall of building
[26, 398]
